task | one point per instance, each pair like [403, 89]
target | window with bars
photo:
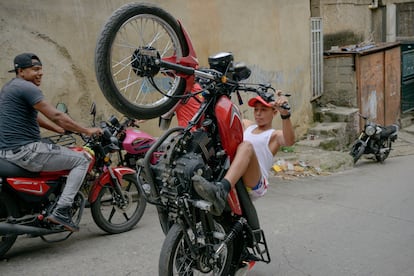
[316, 57]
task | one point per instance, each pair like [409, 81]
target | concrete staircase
[407, 119]
[335, 128]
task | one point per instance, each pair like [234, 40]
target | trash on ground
[293, 169]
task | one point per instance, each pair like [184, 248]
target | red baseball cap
[259, 99]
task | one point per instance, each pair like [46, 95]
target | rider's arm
[46, 124]
[288, 133]
[284, 137]
[63, 120]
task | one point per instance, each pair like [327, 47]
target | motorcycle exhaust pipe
[237, 228]
[17, 229]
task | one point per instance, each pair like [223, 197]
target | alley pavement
[300, 161]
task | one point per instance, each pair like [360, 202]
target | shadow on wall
[60, 75]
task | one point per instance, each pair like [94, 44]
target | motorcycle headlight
[370, 130]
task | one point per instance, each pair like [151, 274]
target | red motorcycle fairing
[38, 186]
[231, 132]
[230, 125]
[105, 178]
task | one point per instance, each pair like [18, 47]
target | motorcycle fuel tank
[136, 141]
[230, 125]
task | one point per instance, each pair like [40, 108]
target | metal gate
[316, 57]
[407, 77]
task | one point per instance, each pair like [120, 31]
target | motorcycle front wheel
[176, 256]
[7, 209]
[357, 150]
[130, 31]
[111, 215]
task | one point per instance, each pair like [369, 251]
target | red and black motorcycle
[27, 198]
[145, 63]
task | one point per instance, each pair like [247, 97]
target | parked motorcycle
[196, 242]
[27, 198]
[133, 142]
[374, 139]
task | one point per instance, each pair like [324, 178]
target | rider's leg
[50, 157]
[244, 165]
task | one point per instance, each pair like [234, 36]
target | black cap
[25, 61]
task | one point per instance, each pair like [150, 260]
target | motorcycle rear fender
[190, 60]
[105, 179]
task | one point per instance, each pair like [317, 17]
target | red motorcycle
[159, 63]
[27, 198]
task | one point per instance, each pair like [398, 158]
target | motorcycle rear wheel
[383, 155]
[115, 219]
[7, 209]
[131, 28]
[175, 257]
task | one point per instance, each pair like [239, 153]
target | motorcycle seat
[389, 130]
[8, 169]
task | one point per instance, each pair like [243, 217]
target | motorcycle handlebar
[207, 75]
[179, 68]
[184, 69]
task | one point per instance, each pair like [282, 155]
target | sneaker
[214, 192]
[62, 216]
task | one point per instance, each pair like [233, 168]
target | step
[349, 115]
[326, 143]
[328, 136]
[406, 119]
[329, 129]
[332, 113]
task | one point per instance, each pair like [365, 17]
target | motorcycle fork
[117, 185]
[189, 219]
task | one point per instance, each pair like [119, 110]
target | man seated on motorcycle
[21, 101]
[254, 156]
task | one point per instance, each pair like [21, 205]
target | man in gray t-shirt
[21, 100]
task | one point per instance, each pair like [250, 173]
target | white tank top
[260, 144]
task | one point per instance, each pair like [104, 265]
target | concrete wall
[357, 21]
[272, 36]
[340, 83]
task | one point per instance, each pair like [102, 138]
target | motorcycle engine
[185, 155]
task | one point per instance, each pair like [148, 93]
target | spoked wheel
[382, 155]
[7, 209]
[176, 257]
[357, 151]
[125, 75]
[111, 215]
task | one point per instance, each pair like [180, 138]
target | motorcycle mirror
[93, 109]
[62, 107]
[93, 113]
[241, 72]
